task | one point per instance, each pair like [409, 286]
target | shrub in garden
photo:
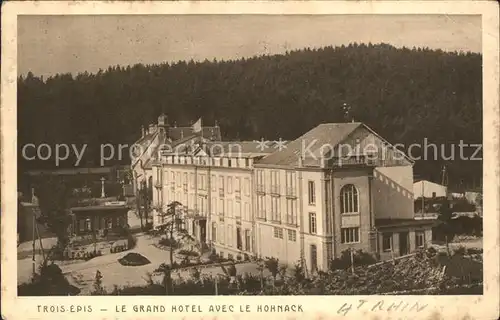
[344, 261]
[188, 253]
[49, 281]
[169, 242]
[133, 259]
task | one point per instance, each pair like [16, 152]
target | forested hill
[406, 95]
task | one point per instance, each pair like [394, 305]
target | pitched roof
[210, 133]
[238, 149]
[330, 134]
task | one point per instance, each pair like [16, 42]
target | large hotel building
[339, 186]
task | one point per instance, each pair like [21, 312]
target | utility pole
[423, 197]
[33, 236]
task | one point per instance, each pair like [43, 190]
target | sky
[59, 44]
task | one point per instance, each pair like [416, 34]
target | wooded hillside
[406, 95]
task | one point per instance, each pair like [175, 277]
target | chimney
[143, 131]
[162, 120]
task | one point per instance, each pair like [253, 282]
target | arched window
[349, 199]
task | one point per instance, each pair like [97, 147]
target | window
[221, 207]
[213, 206]
[260, 181]
[237, 209]
[191, 203]
[349, 235]
[88, 225]
[419, 239]
[292, 235]
[221, 234]
[213, 183]
[229, 162]
[247, 162]
[202, 206]
[246, 212]
[191, 180]
[230, 235]
[221, 186]
[312, 192]
[246, 187]
[314, 257]
[159, 176]
[247, 240]
[214, 232]
[278, 233]
[261, 207]
[312, 222]
[275, 210]
[237, 186]
[291, 211]
[229, 184]
[387, 242]
[275, 182]
[239, 242]
[172, 182]
[433, 194]
[290, 183]
[185, 182]
[349, 199]
[229, 208]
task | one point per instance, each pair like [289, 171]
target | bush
[188, 253]
[360, 259]
[50, 281]
[133, 259]
[148, 226]
[169, 242]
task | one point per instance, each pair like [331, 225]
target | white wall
[427, 188]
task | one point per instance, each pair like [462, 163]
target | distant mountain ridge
[406, 95]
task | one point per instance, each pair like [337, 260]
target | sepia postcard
[288, 160]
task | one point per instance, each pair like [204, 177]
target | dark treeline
[406, 95]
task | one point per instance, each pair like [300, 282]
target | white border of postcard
[318, 307]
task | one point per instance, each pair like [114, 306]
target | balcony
[275, 189]
[261, 188]
[355, 161]
[291, 193]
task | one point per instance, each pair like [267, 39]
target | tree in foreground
[444, 218]
[54, 201]
[173, 223]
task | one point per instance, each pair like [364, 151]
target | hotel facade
[338, 187]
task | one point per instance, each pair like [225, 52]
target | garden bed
[134, 259]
